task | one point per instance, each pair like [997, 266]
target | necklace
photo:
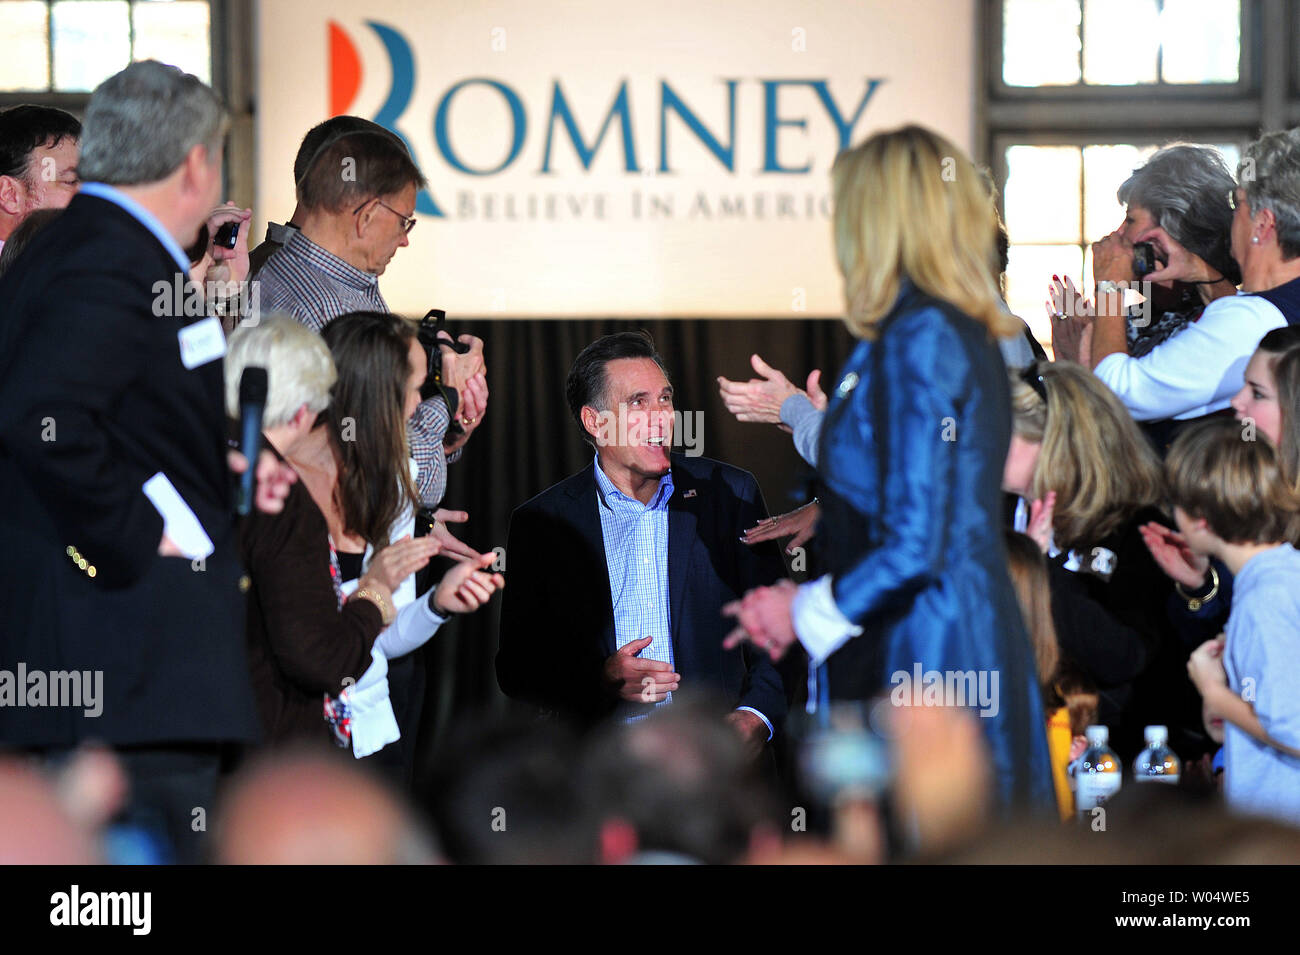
[336, 572]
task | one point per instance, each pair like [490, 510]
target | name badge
[201, 342]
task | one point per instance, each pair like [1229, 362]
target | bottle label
[1095, 788]
[1171, 778]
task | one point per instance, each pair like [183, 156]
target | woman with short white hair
[307, 639]
[1199, 368]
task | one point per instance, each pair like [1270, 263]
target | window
[71, 46]
[1078, 93]
[1120, 42]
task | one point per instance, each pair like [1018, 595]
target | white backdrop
[734, 227]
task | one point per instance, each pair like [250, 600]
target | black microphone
[252, 402]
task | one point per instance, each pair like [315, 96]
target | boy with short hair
[1231, 502]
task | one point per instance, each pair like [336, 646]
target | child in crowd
[1231, 502]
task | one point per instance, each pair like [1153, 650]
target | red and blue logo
[346, 74]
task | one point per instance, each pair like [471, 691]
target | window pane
[1029, 273]
[1040, 42]
[1104, 170]
[1231, 155]
[1042, 194]
[1120, 41]
[175, 33]
[92, 41]
[25, 64]
[1202, 41]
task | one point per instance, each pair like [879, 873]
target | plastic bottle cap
[1156, 735]
[1097, 735]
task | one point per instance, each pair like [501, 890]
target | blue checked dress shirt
[315, 287]
[636, 553]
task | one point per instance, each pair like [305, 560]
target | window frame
[1247, 84]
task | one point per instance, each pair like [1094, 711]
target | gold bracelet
[1196, 603]
[385, 608]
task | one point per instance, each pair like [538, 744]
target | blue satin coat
[911, 456]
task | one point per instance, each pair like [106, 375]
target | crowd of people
[1102, 539]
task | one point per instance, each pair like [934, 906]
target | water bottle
[1157, 763]
[1098, 776]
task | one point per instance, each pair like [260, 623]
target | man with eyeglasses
[356, 200]
[356, 205]
[38, 163]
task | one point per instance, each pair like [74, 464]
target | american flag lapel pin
[690, 493]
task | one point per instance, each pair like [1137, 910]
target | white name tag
[201, 342]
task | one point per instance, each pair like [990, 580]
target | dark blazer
[557, 616]
[94, 400]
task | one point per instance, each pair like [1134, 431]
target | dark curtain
[528, 441]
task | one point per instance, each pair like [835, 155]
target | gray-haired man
[123, 582]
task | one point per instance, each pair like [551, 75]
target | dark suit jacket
[557, 615]
[94, 400]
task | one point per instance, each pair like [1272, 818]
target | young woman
[311, 632]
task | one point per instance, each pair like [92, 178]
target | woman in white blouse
[1197, 370]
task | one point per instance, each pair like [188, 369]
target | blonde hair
[300, 370]
[909, 204]
[1093, 455]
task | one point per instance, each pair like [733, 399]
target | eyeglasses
[1232, 200]
[408, 222]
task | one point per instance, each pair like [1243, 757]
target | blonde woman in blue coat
[911, 459]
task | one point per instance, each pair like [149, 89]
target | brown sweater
[300, 645]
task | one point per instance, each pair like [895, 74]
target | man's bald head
[34, 828]
[307, 809]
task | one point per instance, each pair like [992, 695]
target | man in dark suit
[122, 583]
[618, 574]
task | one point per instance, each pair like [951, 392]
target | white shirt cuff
[374, 725]
[818, 623]
[766, 721]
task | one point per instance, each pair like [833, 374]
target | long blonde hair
[1093, 455]
[908, 203]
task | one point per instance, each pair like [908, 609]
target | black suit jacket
[557, 615]
[94, 400]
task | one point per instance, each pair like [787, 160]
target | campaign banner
[610, 158]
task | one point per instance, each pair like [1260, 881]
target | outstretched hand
[758, 399]
[801, 522]
[468, 585]
[1170, 551]
[451, 545]
[764, 619]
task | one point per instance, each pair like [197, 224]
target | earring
[1255, 239]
